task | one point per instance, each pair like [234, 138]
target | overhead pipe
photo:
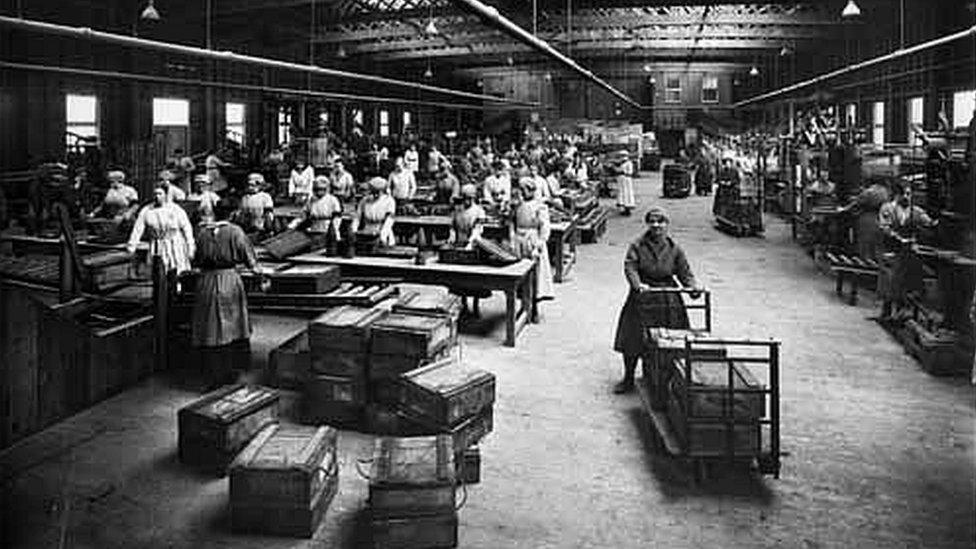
[897, 54]
[84, 33]
[491, 14]
[74, 71]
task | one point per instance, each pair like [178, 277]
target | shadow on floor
[677, 477]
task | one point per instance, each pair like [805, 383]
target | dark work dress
[654, 265]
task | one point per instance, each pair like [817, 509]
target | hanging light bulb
[548, 76]
[431, 28]
[150, 13]
[509, 60]
[754, 71]
[428, 73]
[480, 83]
[785, 50]
[647, 67]
[851, 9]
[341, 52]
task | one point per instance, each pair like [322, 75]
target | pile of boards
[282, 477]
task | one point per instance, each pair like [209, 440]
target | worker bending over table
[653, 261]
[374, 214]
[322, 216]
[342, 184]
[900, 222]
[403, 185]
[204, 197]
[256, 212]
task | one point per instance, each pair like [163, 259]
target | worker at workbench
[899, 216]
[205, 198]
[341, 185]
[530, 235]
[466, 223]
[300, 182]
[447, 186]
[899, 221]
[498, 186]
[120, 199]
[403, 184]
[323, 214]
[374, 214]
[170, 233]
[167, 182]
[653, 261]
[221, 327]
[867, 205]
[256, 213]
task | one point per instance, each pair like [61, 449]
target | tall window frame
[384, 123]
[915, 116]
[878, 123]
[81, 119]
[709, 91]
[672, 89]
[963, 103]
[171, 111]
[235, 125]
[284, 125]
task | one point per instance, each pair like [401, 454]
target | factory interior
[563, 274]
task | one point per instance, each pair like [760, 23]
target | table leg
[510, 313]
[558, 252]
[533, 294]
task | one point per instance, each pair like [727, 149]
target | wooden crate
[412, 476]
[341, 363]
[432, 303]
[216, 427]
[290, 363]
[708, 390]
[390, 367]
[410, 335]
[287, 244]
[284, 480]
[446, 391]
[710, 437]
[344, 328]
[335, 400]
[421, 532]
[305, 279]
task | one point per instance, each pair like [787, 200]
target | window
[672, 90]
[284, 125]
[963, 104]
[852, 115]
[171, 112]
[878, 123]
[384, 123]
[407, 119]
[81, 115]
[709, 89]
[916, 116]
[357, 117]
[234, 122]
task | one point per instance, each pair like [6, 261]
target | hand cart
[705, 402]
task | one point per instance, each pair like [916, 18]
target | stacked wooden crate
[412, 501]
[338, 388]
[284, 481]
[214, 428]
[715, 407]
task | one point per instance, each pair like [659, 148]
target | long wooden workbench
[517, 281]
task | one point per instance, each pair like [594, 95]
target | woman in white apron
[626, 200]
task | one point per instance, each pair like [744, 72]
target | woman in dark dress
[221, 326]
[653, 261]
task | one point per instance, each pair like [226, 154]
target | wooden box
[305, 279]
[287, 244]
[422, 532]
[390, 367]
[284, 481]
[433, 304]
[473, 430]
[214, 428]
[344, 328]
[107, 269]
[468, 463]
[708, 390]
[446, 391]
[411, 335]
[335, 400]
[710, 437]
[412, 476]
[341, 363]
[290, 363]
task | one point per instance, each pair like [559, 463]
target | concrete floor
[881, 454]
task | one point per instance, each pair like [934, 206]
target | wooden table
[517, 281]
[563, 236]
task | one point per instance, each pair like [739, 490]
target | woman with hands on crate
[653, 261]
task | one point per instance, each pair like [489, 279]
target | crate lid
[413, 461]
[429, 301]
[349, 316]
[280, 447]
[446, 375]
[409, 322]
[306, 270]
[229, 403]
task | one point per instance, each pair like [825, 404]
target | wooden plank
[18, 364]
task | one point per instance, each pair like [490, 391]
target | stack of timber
[213, 429]
[593, 224]
[283, 482]
[412, 502]
[402, 342]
